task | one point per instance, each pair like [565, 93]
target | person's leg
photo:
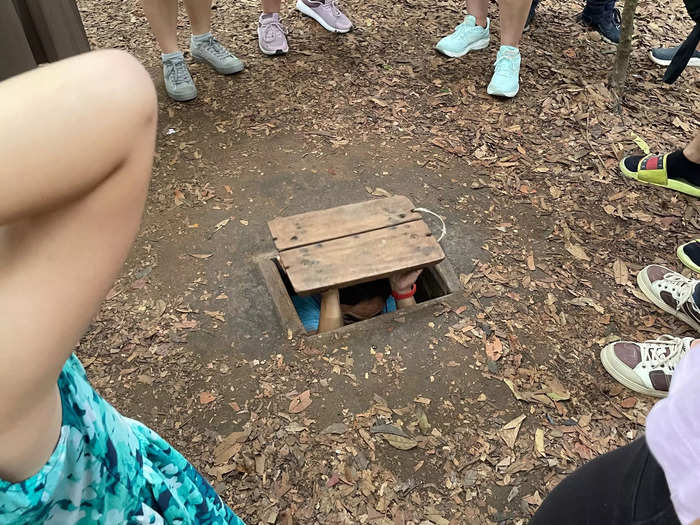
[271, 6]
[623, 487]
[199, 12]
[685, 164]
[77, 141]
[327, 13]
[513, 14]
[203, 46]
[162, 17]
[479, 9]
[471, 35]
[692, 150]
[506, 76]
[272, 35]
[602, 16]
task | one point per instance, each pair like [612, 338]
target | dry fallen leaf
[509, 432]
[577, 251]
[200, 255]
[531, 262]
[587, 301]
[539, 442]
[400, 442]
[206, 397]
[494, 348]
[335, 428]
[621, 272]
[219, 316]
[230, 446]
[628, 402]
[301, 402]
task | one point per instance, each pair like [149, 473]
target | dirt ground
[495, 393]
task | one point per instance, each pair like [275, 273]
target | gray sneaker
[211, 51]
[664, 55]
[178, 81]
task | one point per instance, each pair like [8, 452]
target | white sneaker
[645, 367]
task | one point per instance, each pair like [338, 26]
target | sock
[509, 49]
[267, 15]
[696, 294]
[198, 39]
[168, 56]
[679, 167]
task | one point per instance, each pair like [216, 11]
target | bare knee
[129, 84]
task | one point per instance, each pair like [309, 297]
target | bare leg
[199, 12]
[162, 17]
[271, 6]
[479, 9]
[67, 222]
[692, 150]
[331, 315]
[513, 14]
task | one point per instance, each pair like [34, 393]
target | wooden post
[331, 316]
[618, 76]
[36, 31]
[17, 56]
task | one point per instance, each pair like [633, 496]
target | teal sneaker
[467, 37]
[506, 76]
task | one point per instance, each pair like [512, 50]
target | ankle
[679, 166]
[482, 21]
[197, 39]
[174, 54]
[692, 155]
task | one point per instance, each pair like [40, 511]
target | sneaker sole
[474, 46]
[232, 71]
[305, 9]
[182, 98]
[694, 61]
[645, 287]
[608, 359]
[273, 53]
[508, 94]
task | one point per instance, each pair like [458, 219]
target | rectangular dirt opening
[433, 284]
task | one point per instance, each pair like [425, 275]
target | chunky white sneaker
[672, 292]
[645, 367]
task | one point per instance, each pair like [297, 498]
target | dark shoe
[530, 15]
[608, 25]
[664, 55]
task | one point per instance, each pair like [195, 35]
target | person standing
[162, 17]
[474, 34]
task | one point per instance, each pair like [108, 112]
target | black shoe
[608, 25]
[530, 15]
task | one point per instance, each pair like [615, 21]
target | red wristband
[399, 296]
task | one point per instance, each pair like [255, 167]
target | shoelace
[504, 65]
[684, 288]
[335, 10]
[617, 17]
[177, 71]
[463, 28]
[655, 350]
[272, 27]
[214, 46]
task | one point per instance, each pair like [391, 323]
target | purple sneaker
[272, 38]
[326, 13]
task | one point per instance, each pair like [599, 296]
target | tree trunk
[618, 75]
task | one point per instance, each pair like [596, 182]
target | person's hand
[402, 283]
